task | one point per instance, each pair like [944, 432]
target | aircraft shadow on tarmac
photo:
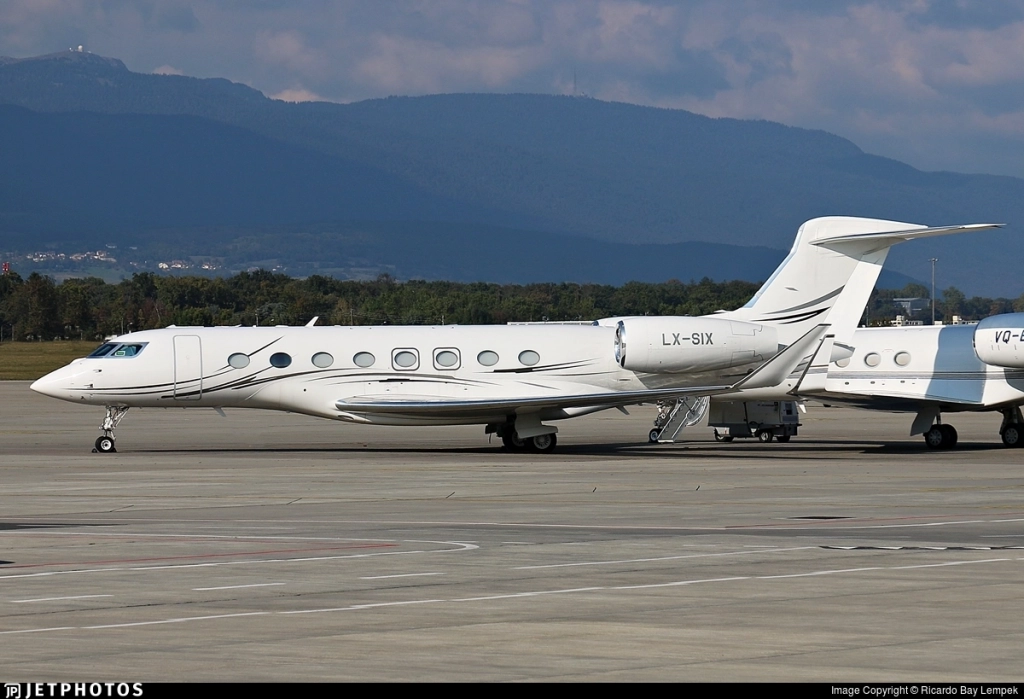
[804, 449]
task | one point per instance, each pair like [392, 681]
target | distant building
[913, 305]
[902, 321]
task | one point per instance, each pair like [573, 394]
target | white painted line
[54, 599]
[187, 566]
[363, 606]
[52, 628]
[951, 563]
[517, 595]
[860, 570]
[403, 575]
[818, 572]
[235, 587]
[179, 620]
[662, 558]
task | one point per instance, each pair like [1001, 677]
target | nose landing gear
[105, 444]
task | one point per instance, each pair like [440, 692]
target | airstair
[676, 415]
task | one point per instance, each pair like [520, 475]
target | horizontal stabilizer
[896, 236]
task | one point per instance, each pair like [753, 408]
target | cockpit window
[103, 350]
[114, 349]
[128, 350]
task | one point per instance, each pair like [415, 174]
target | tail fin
[829, 274]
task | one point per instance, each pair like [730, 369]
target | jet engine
[682, 344]
[999, 340]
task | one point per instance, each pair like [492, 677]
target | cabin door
[188, 367]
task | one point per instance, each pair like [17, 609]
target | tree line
[38, 308]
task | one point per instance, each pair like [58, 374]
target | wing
[769, 374]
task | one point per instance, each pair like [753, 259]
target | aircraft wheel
[105, 445]
[784, 438]
[653, 435]
[512, 442]
[543, 443]
[949, 436]
[934, 437]
[1012, 436]
[764, 436]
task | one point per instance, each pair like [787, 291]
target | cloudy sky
[936, 83]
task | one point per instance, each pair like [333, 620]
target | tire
[105, 445]
[1013, 435]
[510, 440]
[653, 435]
[543, 443]
[784, 438]
[764, 436]
[934, 438]
[949, 436]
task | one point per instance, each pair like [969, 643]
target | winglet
[813, 378]
[775, 370]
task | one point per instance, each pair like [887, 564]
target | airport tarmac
[274, 547]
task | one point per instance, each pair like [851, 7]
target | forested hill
[209, 152]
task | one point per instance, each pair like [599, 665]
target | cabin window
[405, 359]
[844, 362]
[902, 358]
[322, 360]
[446, 358]
[528, 357]
[872, 359]
[487, 358]
[364, 360]
[280, 360]
[238, 360]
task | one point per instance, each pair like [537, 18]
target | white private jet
[510, 378]
[931, 370]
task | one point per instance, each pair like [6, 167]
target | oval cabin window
[406, 359]
[487, 358]
[280, 360]
[363, 360]
[322, 360]
[902, 358]
[872, 359]
[528, 357]
[238, 360]
[447, 359]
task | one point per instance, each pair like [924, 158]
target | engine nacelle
[999, 340]
[680, 344]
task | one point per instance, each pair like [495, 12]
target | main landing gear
[511, 441]
[105, 444]
[1012, 429]
[941, 437]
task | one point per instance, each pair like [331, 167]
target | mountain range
[468, 186]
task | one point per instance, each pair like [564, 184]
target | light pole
[933, 261]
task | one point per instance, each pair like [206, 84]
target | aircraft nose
[56, 384]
